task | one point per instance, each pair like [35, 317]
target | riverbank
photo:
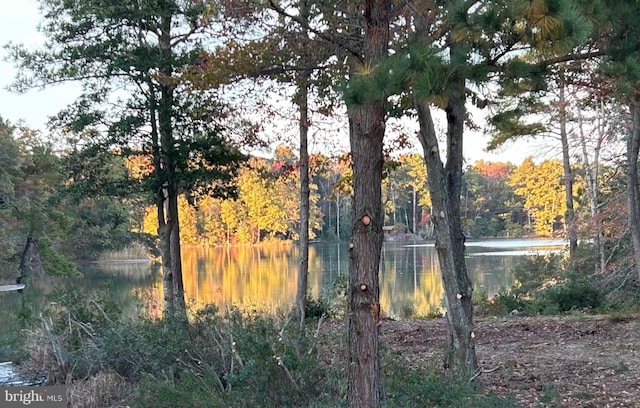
[542, 361]
[537, 361]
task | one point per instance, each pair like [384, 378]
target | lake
[264, 277]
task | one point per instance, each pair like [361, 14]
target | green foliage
[549, 393]
[55, 263]
[189, 390]
[574, 295]
[418, 67]
[332, 303]
[96, 309]
[140, 102]
[219, 359]
[337, 299]
[545, 284]
[99, 225]
[33, 222]
[620, 36]
[15, 320]
[537, 272]
[315, 308]
[504, 303]
[488, 202]
[243, 360]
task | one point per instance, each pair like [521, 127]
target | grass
[135, 251]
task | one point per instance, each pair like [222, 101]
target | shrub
[573, 296]
[261, 362]
[535, 273]
[337, 299]
[230, 359]
[315, 308]
[547, 285]
[504, 303]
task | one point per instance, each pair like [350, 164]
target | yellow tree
[188, 224]
[264, 213]
[541, 187]
[229, 216]
[417, 172]
[210, 225]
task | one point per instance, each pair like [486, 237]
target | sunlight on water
[265, 278]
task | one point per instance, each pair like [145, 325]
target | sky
[19, 21]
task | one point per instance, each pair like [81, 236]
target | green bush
[505, 302]
[315, 308]
[548, 285]
[337, 299]
[133, 348]
[535, 273]
[257, 361]
[573, 296]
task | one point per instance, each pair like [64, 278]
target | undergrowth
[228, 358]
[551, 284]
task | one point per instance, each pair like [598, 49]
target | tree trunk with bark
[445, 188]
[633, 184]
[366, 134]
[167, 202]
[591, 171]
[303, 243]
[570, 215]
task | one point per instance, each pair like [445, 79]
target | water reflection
[410, 284]
[265, 278]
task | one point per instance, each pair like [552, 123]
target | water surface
[265, 277]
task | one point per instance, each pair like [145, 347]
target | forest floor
[566, 361]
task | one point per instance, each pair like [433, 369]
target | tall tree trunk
[303, 243]
[176, 253]
[570, 217]
[164, 245]
[633, 185]
[169, 238]
[160, 111]
[338, 215]
[366, 134]
[415, 207]
[445, 188]
[592, 175]
[364, 263]
[168, 225]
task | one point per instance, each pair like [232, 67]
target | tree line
[499, 199]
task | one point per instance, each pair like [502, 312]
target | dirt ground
[569, 361]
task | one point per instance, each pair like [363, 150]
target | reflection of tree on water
[265, 278]
[410, 282]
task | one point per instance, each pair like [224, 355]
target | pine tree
[137, 62]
